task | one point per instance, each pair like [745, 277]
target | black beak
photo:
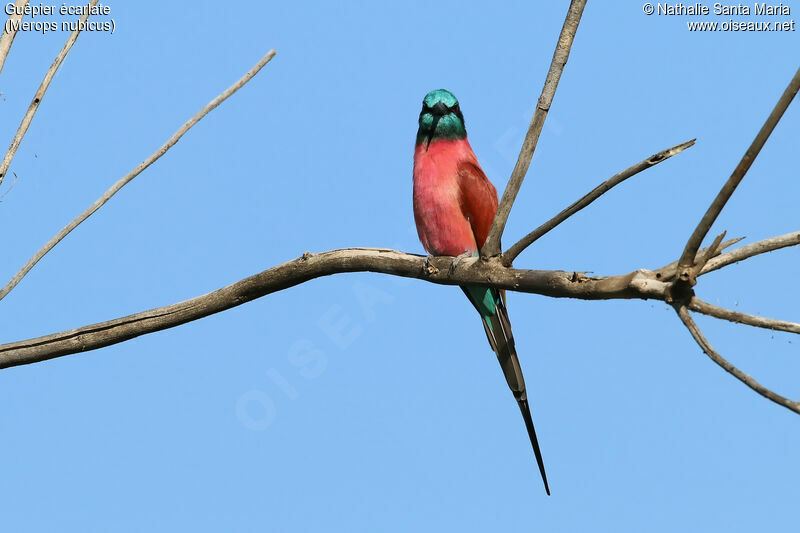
[436, 119]
[439, 110]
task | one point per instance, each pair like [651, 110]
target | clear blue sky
[261, 418]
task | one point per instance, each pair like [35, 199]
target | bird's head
[440, 118]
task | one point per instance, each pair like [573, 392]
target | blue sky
[363, 402]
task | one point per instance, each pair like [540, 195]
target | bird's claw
[457, 259]
[428, 267]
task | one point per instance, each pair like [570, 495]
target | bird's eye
[456, 109]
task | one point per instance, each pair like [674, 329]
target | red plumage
[454, 202]
[454, 206]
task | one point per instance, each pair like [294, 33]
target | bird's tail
[491, 306]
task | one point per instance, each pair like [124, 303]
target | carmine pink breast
[442, 226]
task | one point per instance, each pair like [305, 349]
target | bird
[454, 205]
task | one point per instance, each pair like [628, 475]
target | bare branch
[530, 238]
[492, 245]
[668, 272]
[560, 284]
[39, 95]
[690, 251]
[640, 284]
[133, 173]
[8, 36]
[696, 304]
[750, 250]
[686, 318]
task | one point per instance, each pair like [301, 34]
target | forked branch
[669, 272]
[594, 194]
[687, 259]
[751, 250]
[559, 284]
[690, 324]
[640, 284]
[491, 247]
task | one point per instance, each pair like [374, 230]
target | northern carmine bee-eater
[454, 205]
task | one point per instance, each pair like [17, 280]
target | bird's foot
[457, 259]
[428, 267]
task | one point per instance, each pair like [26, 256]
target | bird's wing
[478, 199]
[478, 202]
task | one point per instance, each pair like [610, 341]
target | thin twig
[530, 238]
[492, 245]
[39, 95]
[693, 244]
[686, 318]
[708, 253]
[696, 304]
[8, 36]
[16, 178]
[750, 250]
[135, 172]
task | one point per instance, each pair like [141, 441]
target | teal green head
[440, 118]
